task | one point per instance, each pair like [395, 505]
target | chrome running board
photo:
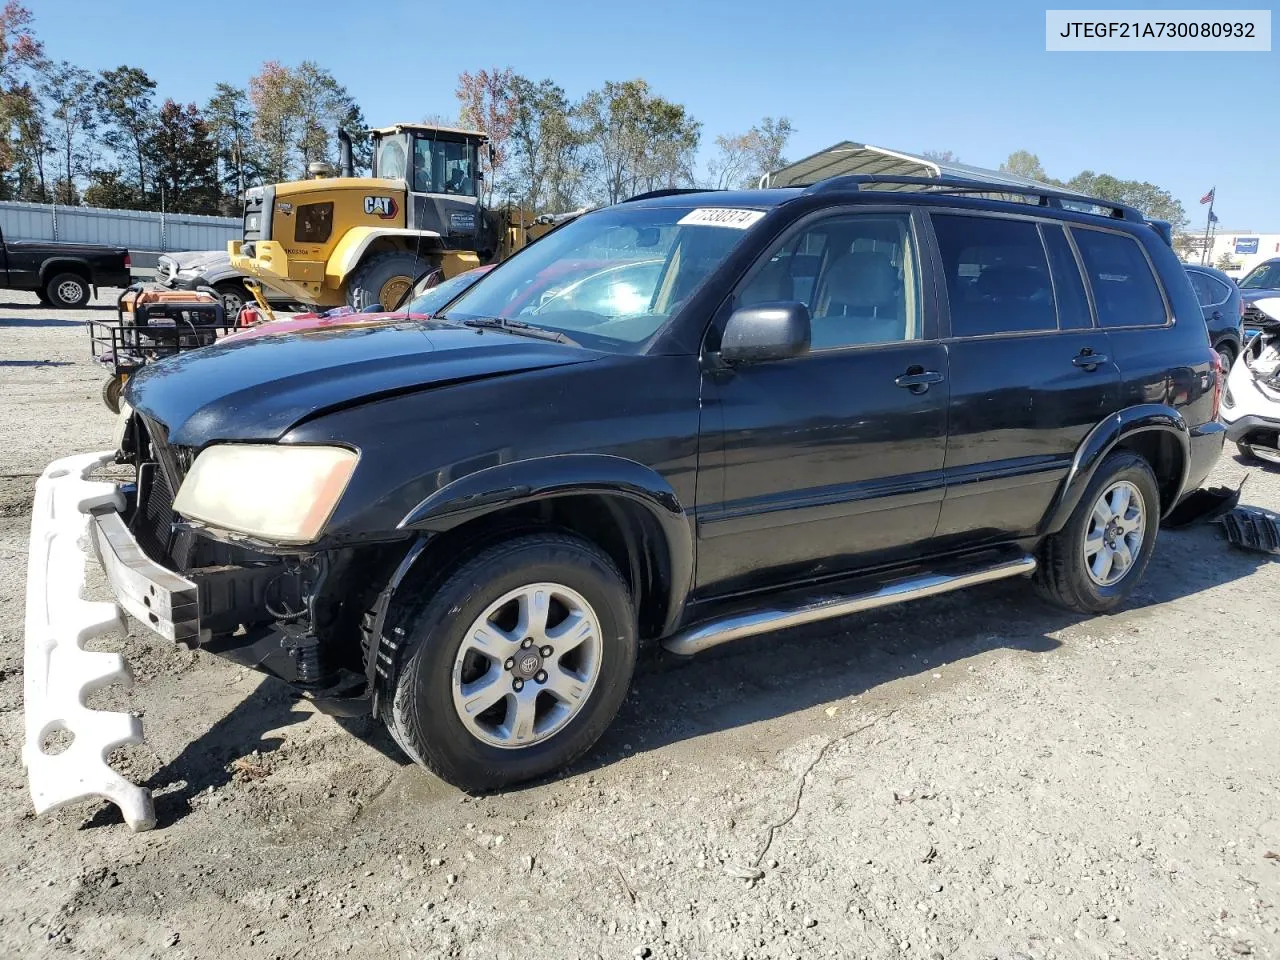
[711, 633]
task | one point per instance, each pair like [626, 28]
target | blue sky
[973, 78]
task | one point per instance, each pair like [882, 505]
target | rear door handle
[917, 380]
[1090, 361]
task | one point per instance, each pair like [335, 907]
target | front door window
[444, 166]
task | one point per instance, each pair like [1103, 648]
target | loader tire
[385, 278]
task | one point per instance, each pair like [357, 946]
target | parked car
[63, 275]
[1223, 309]
[825, 400]
[1260, 282]
[1251, 402]
[193, 270]
[426, 297]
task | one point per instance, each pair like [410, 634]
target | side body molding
[1102, 439]
[600, 475]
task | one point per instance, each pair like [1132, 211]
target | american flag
[1208, 197]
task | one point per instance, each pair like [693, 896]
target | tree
[487, 103]
[123, 102]
[296, 115]
[68, 89]
[1023, 163]
[1151, 200]
[21, 54]
[109, 188]
[275, 118]
[186, 159]
[743, 158]
[31, 146]
[544, 160]
[638, 141]
[230, 120]
[1226, 261]
[941, 156]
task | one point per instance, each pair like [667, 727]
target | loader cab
[441, 167]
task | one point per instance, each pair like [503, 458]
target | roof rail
[1047, 196]
[669, 192]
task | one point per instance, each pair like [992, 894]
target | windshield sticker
[721, 217]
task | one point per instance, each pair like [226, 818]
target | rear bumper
[70, 515]
[1206, 442]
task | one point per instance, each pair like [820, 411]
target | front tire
[385, 278]
[233, 295]
[514, 666]
[67, 291]
[1095, 561]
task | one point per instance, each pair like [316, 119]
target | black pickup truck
[62, 274]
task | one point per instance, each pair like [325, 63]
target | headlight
[277, 493]
[189, 272]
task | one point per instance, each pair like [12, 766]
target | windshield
[1265, 276]
[444, 166]
[610, 279]
[433, 298]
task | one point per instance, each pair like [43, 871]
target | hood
[257, 389]
[335, 320]
[195, 259]
[1253, 294]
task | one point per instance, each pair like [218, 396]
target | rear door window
[1125, 291]
[997, 275]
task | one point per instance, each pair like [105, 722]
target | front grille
[159, 477]
[1253, 317]
[153, 522]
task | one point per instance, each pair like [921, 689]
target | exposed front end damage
[1251, 403]
[294, 616]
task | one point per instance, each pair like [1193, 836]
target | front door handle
[917, 379]
[1088, 359]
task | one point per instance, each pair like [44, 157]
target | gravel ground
[972, 776]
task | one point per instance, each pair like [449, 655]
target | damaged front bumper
[70, 516]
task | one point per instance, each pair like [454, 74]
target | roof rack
[1047, 196]
[668, 192]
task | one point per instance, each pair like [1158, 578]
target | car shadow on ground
[675, 699]
[39, 322]
[766, 677]
[37, 363]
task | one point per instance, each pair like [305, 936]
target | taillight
[1243, 308]
[128, 260]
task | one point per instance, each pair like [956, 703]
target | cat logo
[384, 207]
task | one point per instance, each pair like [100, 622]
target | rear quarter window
[1125, 291]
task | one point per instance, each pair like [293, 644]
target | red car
[430, 294]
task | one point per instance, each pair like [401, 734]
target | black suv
[687, 418]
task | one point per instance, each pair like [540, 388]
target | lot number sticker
[722, 217]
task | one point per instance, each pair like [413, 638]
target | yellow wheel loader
[356, 241]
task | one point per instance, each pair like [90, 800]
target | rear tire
[434, 708]
[385, 278]
[1227, 356]
[1095, 561]
[67, 291]
[111, 394]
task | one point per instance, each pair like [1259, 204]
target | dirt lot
[974, 776]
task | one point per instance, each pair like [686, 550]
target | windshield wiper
[517, 327]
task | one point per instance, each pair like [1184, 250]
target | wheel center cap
[527, 664]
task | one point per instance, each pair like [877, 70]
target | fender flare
[602, 475]
[350, 250]
[79, 265]
[1102, 439]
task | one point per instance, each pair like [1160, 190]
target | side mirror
[766, 331]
